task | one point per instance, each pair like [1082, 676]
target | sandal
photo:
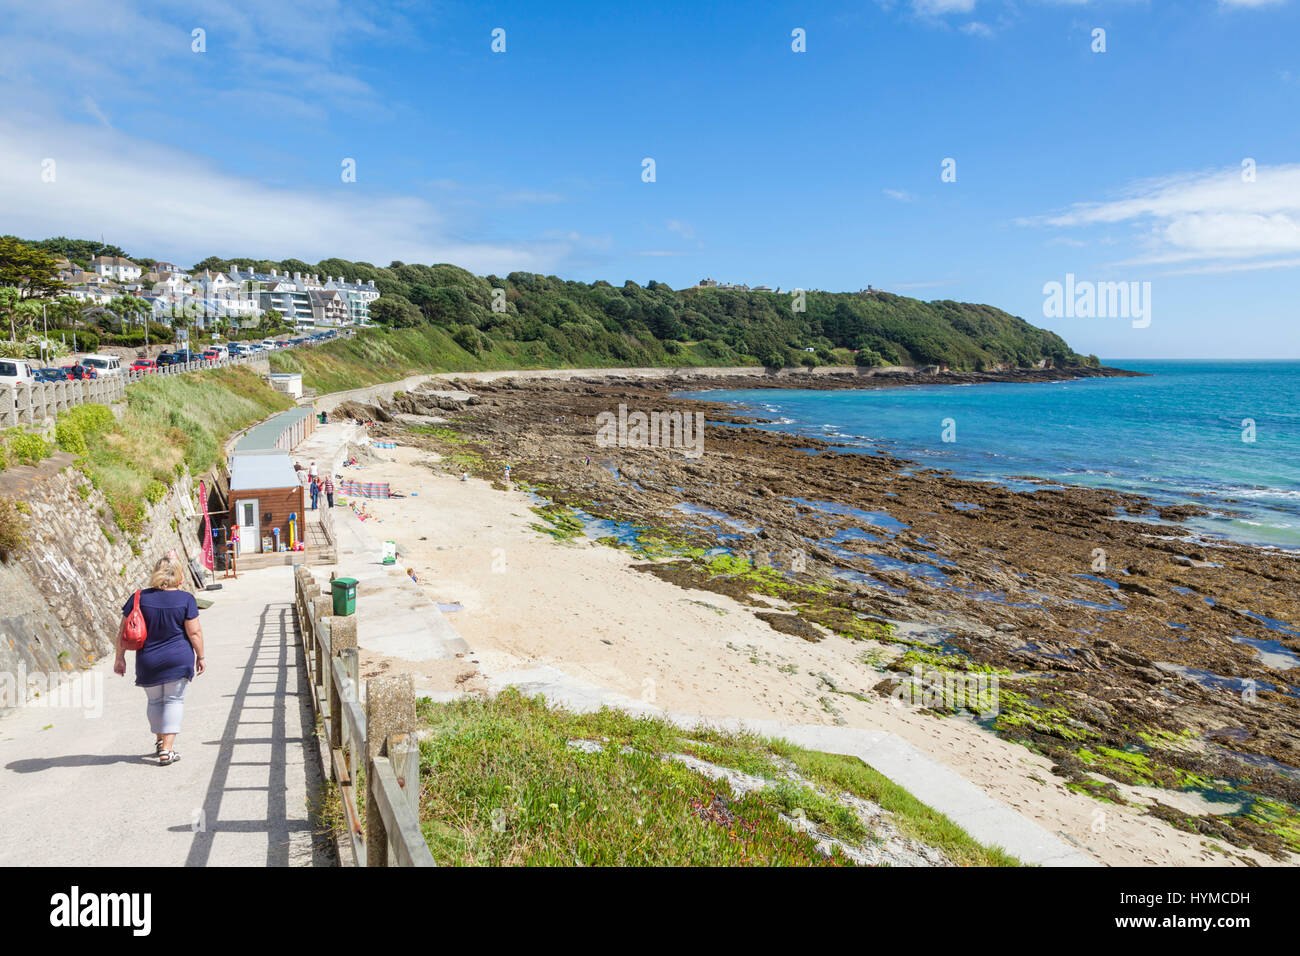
[166, 757]
[157, 748]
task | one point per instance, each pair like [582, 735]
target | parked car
[48, 374]
[166, 358]
[144, 365]
[76, 373]
[212, 355]
[102, 364]
[14, 372]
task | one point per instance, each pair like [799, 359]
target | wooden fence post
[404, 754]
[321, 608]
[390, 709]
[343, 638]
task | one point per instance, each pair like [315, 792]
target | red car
[211, 355]
[144, 365]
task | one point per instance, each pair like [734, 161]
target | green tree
[395, 312]
[32, 273]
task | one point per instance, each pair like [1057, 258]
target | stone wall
[61, 598]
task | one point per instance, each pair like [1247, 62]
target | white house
[356, 295]
[115, 267]
[96, 294]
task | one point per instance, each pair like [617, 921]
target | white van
[102, 364]
[13, 371]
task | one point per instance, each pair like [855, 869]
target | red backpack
[133, 631]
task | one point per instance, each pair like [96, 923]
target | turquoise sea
[1178, 435]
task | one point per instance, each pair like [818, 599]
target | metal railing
[379, 738]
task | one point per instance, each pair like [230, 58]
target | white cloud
[936, 8]
[153, 193]
[1251, 3]
[529, 197]
[93, 109]
[1210, 215]
[170, 204]
[976, 29]
[683, 229]
[901, 195]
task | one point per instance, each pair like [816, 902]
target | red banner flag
[207, 526]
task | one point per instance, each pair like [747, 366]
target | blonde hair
[166, 573]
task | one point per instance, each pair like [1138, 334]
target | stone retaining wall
[61, 598]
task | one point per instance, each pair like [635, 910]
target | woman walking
[172, 653]
[329, 490]
[315, 493]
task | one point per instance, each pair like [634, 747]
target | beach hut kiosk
[266, 495]
[265, 491]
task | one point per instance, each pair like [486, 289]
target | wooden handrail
[390, 835]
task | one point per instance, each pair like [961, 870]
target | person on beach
[172, 653]
[315, 493]
[311, 472]
[329, 490]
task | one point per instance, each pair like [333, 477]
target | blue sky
[818, 169]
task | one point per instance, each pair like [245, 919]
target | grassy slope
[375, 356]
[170, 420]
[501, 785]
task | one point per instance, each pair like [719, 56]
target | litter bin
[345, 596]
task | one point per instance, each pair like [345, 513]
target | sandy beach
[528, 599]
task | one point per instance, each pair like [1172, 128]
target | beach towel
[364, 489]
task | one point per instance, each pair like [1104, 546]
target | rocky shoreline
[1154, 669]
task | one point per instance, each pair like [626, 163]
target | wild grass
[375, 356]
[13, 528]
[501, 784]
[912, 817]
[173, 421]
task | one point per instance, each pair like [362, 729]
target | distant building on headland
[732, 287]
[741, 287]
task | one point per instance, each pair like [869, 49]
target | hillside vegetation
[512, 780]
[460, 323]
[170, 423]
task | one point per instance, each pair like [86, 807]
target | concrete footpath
[79, 785]
[395, 617]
